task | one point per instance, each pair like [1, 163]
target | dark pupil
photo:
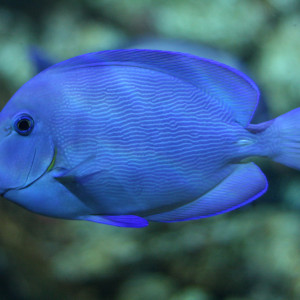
[24, 125]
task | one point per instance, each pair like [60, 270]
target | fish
[131, 136]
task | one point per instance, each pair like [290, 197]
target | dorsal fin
[226, 84]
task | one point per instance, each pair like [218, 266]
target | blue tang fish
[124, 137]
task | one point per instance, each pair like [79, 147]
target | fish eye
[24, 124]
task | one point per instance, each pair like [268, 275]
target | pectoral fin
[79, 173]
[80, 180]
[95, 184]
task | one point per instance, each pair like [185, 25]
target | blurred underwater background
[252, 253]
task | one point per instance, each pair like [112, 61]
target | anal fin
[245, 184]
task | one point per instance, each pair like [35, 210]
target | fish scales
[138, 129]
[124, 119]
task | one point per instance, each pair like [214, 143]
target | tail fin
[285, 132]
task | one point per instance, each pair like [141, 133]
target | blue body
[122, 137]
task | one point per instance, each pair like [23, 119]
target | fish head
[26, 147]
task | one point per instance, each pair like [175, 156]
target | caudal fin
[285, 131]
